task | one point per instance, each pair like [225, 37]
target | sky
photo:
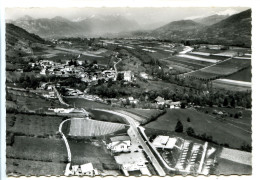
[143, 16]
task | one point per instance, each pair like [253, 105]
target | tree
[190, 131]
[225, 103]
[120, 76]
[233, 102]
[179, 127]
[183, 105]
[188, 119]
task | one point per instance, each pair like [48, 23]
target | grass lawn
[219, 85]
[83, 103]
[244, 75]
[244, 122]
[34, 168]
[221, 132]
[105, 116]
[85, 152]
[29, 101]
[227, 167]
[35, 125]
[38, 149]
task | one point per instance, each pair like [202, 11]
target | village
[92, 75]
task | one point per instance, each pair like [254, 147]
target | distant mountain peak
[25, 18]
[59, 18]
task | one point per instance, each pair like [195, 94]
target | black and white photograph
[125, 91]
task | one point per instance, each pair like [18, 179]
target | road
[65, 139]
[116, 68]
[135, 134]
[59, 97]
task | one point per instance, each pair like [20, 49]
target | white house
[159, 100]
[175, 105]
[84, 169]
[128, 76]
[43, 72]
[144, 75]
[119, 144]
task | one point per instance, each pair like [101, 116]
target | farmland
[147, 115]
[30, 101]
[189, 62]
[243, 75]
[228, 86]
[94, 152]
[104, 116]
[221, 132]
[221, 69]
[34, 125]
[83, 103]
[227, 167]
[89, 127]
[34, 168]
[30, 151]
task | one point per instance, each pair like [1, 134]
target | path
[59, 97]
[65, 139]
[116, 68]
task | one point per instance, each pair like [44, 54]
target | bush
[246, 147]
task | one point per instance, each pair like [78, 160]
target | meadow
[221, 132]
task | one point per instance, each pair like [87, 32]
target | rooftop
[120, 138]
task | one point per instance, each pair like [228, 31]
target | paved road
[134, 129]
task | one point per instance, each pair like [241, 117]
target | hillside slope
[177, 30]
[235, 30]
[19, 41]
[210, 20]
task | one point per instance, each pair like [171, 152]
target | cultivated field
[243, 75]
[227, 167]
[34, 168]
[83, 103]
[89, 127]
[146, 114]
[231, 86]
[222, 132]
[95, 152]
[37, 149]
[221, 69]
[29, 101]
[105, 116]
[34, 125]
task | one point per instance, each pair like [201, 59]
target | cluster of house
[168, 103]
[66, 111]
[125, 101]
[80, 170]
[50, 93]
[49, 67]
[127, 160]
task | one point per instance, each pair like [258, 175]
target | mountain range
[235, 30]
[89, 27]
[222, 29]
